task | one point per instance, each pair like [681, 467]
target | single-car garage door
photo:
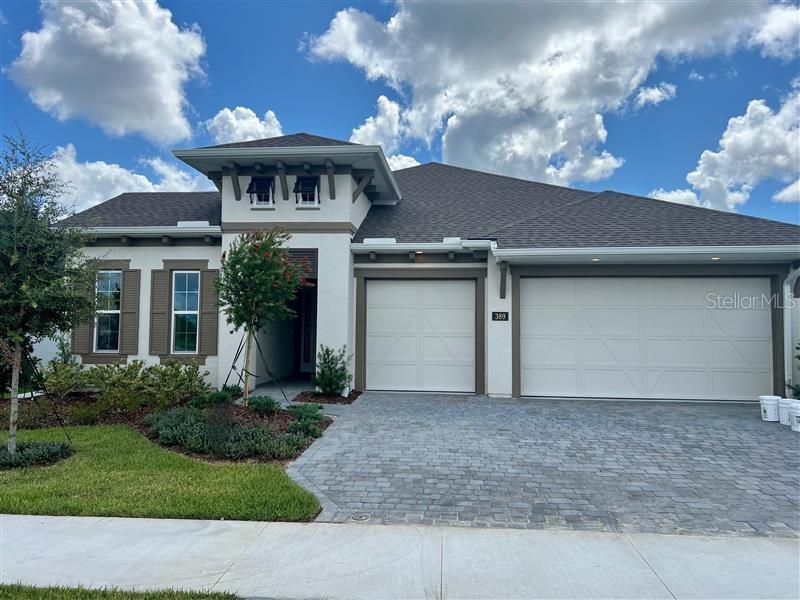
[420, 335]
[645, 337]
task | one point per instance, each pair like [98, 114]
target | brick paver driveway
[580, 464]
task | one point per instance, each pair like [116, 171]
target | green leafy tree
[46, 283]
[256, 283]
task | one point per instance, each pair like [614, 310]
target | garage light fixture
[715, 258]
[595, 259]
[419, 251]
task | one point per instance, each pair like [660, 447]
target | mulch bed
[316, 398]
[41, 412]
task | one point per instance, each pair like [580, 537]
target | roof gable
[294, 140]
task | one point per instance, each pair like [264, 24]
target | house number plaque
[499, 315]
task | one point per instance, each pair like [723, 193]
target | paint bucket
[769, 408]
[794, 416]
[784, 405]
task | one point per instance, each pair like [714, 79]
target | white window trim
[184, 312]
[300, 203]
[108, 312]
[270, 198]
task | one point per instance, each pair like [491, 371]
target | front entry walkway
[658, 467]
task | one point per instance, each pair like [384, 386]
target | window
[262, 191]
[185, 311]
[109, 300]
[306, 191]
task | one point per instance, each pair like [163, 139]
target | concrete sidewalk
[319, 560]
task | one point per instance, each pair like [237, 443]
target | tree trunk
[14, 415]
[247, 352]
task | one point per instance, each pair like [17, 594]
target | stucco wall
[498, 334]
[146, 259]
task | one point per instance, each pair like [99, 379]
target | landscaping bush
[215, 398]
[173, 383]
[120, 385]
[87, 414]
[305, 427]
[63, 378]
[307, 412]
[234, 391]
[332, 370]
[31, 454]
[214, 432]
[264, 405]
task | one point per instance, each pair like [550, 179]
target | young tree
[256, 283]
[46, 283]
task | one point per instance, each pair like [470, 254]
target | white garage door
[645, 338]
[421, 335]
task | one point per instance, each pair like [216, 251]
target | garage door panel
[644, 338]
[609, 321]
[421, 335]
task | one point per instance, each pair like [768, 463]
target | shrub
[234, 391]
[173, 383]
[120, 385]
[87, 414]
[305, 427]
[264, 405]
[215, 398]
[307, 412]
[31, 454]
[286, 445]
[332, 373]
[63, 378]
[173, 427]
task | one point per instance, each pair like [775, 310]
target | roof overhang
[389, 246]
[154, 232]
[359, 157]
[655, 254]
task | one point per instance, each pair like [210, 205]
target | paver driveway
[580, 464]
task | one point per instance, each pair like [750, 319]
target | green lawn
[115, 471]
[24, 592]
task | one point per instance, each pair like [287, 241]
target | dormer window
[262, 191]
[306, 191]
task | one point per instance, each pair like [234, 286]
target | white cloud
[655, 95]
[120, 65]
[384, 129]
[779, 33]
[791, 193]
[241, 124]
[695, 76]
[681, 196]
[401, 161]
[529, 102]
[762, 144]
[93, 182]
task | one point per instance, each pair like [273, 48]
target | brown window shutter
[129, 313]
[159, 312]
[209, 313]
[82, 342]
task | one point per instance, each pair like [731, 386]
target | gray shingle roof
[152, 209]
[294, 140]
[442, 201]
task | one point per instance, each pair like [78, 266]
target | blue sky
[542, 91]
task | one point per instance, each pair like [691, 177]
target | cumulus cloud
[779, 33]
[93, 182]
[529, 102]
[242, 124]
[681, 196]
[120, 65]
[762, 144]
[384, 129]
[656, 95]
[401, 161]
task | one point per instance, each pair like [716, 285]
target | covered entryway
[421, 334]
[645, 337]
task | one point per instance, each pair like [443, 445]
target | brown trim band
[96, 358]
[292, 227]
[114, 265]
[189, 264]
[478, 275]
[775, 272]
[140, 242]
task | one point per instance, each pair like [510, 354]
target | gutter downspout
[788, 303]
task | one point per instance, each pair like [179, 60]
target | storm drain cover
[360, 516]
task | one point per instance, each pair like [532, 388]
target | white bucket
[769, 407]
[794, 416]
[784, 405]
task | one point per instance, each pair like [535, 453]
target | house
[439, 278]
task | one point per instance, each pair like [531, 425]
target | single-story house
[439, 278]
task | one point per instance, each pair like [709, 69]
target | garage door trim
[775, 272]
[476, 275]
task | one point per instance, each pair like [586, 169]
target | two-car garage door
[420, 335]
[645, 337]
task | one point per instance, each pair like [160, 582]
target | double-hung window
[262, 191]
[306, 191]
[185, 311]
[109, 301]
